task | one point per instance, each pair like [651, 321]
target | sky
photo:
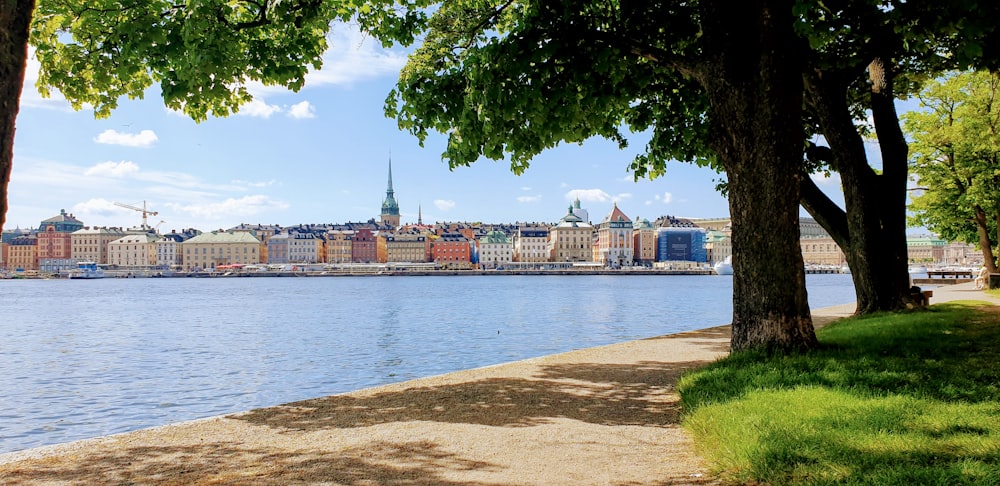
[317, 156]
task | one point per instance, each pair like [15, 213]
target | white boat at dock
[87, 270]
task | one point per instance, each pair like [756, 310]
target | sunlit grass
[910, 398]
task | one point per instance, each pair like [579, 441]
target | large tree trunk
[15, 20]
[754, 85]
[983, 230]
[874, 237]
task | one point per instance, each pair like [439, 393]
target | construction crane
[142, 210]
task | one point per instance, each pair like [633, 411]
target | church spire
[420, 215]
[390, 208]
[388, 191]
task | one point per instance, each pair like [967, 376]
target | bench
[922, 298]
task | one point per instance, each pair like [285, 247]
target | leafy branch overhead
[201, 53]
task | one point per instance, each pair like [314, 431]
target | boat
[725, 267]
[87, 270]
[918, 269]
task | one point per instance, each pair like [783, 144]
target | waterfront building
[338, 246]
[572, 239]
[718, 246]
[495, 250]
[643, 242]
[925, 249]
[363, 246]
[614, 239]
[55, 241]
[821, 250]
[958, 253]
[452, 250]
[209, 250]
[91, 244]
[686, 244]
[260, 231]
[531, 244]
[168, 248]
[390, 208]
[295, 247]
[62, 223]
[22, 253]
[135, 250]
[402, 248]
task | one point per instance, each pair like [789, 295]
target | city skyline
[317, 156]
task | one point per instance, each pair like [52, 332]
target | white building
[495, 250]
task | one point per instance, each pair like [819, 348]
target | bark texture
[754, 83]
[15, 21]
[871, 230]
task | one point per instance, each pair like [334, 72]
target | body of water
[81, 359]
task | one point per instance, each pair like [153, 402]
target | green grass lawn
[909, 399]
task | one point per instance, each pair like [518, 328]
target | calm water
[81, 359]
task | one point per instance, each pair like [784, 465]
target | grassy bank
[911, 398]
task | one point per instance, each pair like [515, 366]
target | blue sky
[316, 156]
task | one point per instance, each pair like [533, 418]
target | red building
[452, 250]
[364, 247]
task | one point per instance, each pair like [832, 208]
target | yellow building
[571, 240]
[209, 250]
[136, 250]
[925, 250]
[401, 248]
[821, 250]
[91, 244]
[338, 246]
[22, 253]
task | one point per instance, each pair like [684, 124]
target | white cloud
[588, 195]
[666, 197]
[240, 182]
[529, 199]
[244, 206]
[145, 138]
[444, 204]
[98, 206]
[113, 169]
[624, 195]
[353, 57]
[258, 108]
[302, 110]
[525, 188]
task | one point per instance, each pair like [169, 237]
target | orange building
[452, 250]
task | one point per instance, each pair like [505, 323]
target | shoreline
[589, 416]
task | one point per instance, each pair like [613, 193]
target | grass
[908, 398]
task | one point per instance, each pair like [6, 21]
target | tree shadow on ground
[715, 339]
[230, 463]
[638, 394]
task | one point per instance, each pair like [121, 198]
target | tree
[865, 54]
[15, 19]
[508, 80]
[202, 54]
[514, 79]
[956, 143]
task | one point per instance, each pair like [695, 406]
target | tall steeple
[420, 215]
[390, 208]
